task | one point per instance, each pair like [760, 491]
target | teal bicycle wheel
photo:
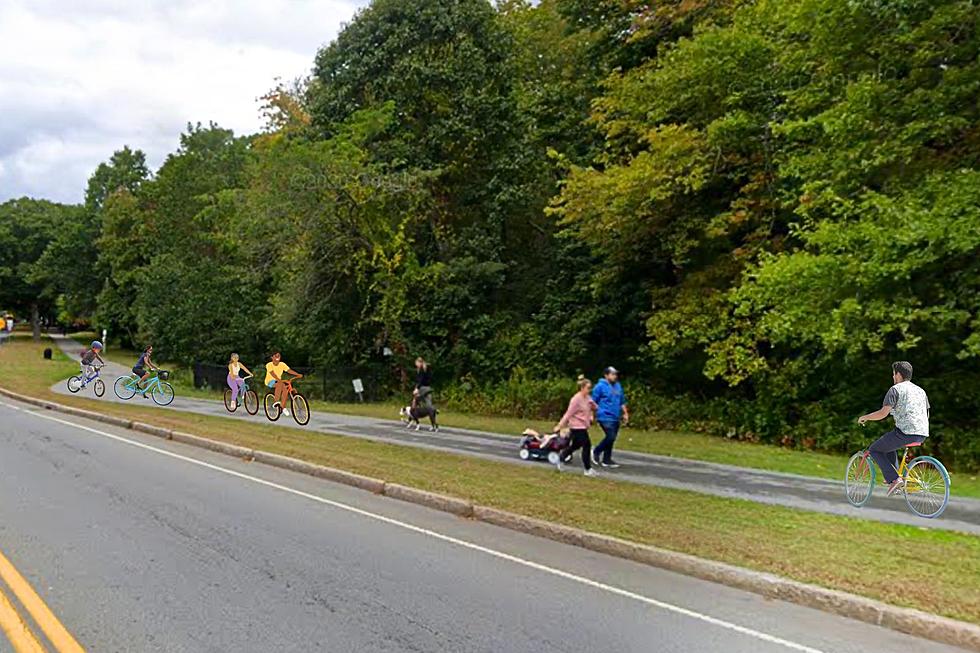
[859, 479]
[927, 487]
[163, 394]
[124, 388]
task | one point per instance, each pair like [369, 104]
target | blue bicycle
[158, 389]
[76, 383]
[248, 397]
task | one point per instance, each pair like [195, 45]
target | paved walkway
[791, 490]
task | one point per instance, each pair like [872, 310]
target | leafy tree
[69, 267]
[27, 227]
[121, 256]
[189, 277]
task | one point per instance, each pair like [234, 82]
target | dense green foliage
[752, 207]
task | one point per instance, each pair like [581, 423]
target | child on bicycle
[89, 356]
[235, 382]
[909, 405]
[140, 368]
[273, 379]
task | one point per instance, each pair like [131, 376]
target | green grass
[694, 446]
[854, 555]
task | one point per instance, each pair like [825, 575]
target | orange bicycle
[297, 403]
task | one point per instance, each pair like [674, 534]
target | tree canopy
[750, 207]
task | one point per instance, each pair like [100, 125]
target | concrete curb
[166, 434]
[213, 445]
[459, 507]
[905, 620]
[375, 485]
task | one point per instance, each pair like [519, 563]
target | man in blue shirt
[612, 410]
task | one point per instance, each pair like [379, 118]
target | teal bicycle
[157, 388]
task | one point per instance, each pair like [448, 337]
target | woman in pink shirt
[578, 418]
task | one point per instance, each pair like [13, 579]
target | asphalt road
[139, 544]
[791, 490]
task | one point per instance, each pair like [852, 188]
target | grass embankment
[694, 446]
[931, 570]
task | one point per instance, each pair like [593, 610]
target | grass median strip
[935, 571]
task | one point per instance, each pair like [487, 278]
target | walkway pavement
[808, 493]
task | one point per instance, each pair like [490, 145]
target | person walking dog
[611, 411]
[423, 383]
[578, 418]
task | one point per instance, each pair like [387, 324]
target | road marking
[669, 607]
[17, 631]
[56, 633]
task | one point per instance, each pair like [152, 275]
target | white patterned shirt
[910, 408]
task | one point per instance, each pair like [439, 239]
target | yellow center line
[17, 632]
[56, 633]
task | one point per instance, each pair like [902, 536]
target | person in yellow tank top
[274, 371]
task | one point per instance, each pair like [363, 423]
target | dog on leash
[415, 412]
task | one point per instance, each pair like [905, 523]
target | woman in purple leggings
[235, 382]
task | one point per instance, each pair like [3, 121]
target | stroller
[532, 449]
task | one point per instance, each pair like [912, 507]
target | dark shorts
[139, 371]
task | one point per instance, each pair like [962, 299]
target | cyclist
[235, 382]
[909, 405]
[89, 356]
[273, 379]
[140, 368]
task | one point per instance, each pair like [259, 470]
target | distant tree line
[750, 207]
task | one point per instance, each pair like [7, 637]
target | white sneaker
[285, 412]
[591, 472]
[234, 405]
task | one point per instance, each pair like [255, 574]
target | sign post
[359, 389]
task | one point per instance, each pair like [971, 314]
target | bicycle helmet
[96, 344]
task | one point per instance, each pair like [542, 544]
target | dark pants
[579, 440]
[883, 451]
[605, 448]
[425, 395]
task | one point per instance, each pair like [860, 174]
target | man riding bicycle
[909, 405]
[274, 371]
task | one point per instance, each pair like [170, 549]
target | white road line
[447, 538]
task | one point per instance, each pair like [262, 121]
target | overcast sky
[81, 78]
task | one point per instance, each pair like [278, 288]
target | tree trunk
[35, 323]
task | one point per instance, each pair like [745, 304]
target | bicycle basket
[164, 375]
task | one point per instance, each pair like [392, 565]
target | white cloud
[80, 79]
